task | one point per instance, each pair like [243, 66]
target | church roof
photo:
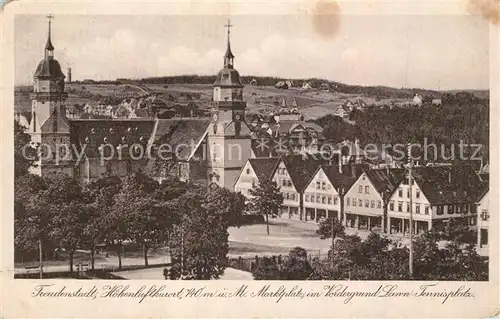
[181, 135]
[95, 132]
[228, 77]
[49, 68]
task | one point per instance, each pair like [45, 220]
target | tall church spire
[49, 48]
[228, 57]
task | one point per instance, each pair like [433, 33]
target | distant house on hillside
[281, 85]
[417, 99]
[436, 102]
[325, 86]
[254, 82]
[306, 85]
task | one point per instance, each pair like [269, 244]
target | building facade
[483, 220]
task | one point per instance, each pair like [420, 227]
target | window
[426, 210]
[408, 193]
[484, 237]
[400, 193]
[323, 185]
[307, 198]
[417, 209]
[484, 215]
[360, 202]
[372, 204]
[400, 206]
[347, 202]
[439, 210]
[451, 209]
[379, 204]
[459, 209]
[391, 205]
[335, 200]
[367, 189]
[473, 221]
[284, 182]
[323, 199]
[318, 185]
[360, 189]
[312, 198]
[248, 171]
[417, 194]
[318, 199]
[367, 203]
[329, 199]
[408, 207]
[354, 202]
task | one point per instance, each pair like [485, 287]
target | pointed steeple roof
[48, 45]
[228, 54]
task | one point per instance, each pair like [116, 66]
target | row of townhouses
[374, 199]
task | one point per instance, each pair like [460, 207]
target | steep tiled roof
[264, 167]
[449, 184]
[349, 175]
[180, 134]
[385, 181]
[93, 133]
[300, 168]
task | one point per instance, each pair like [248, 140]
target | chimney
[69, 75]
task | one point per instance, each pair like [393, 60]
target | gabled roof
[182, 135]
[385, 181]
[349, 175]
[449, 184]
[300, 168]
[264, 167]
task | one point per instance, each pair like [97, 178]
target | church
[211, 149]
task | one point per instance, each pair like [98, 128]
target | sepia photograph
[252, 147]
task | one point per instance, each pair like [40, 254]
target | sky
[422, 51]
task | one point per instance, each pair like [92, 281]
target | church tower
[49, 126]
[229, 143]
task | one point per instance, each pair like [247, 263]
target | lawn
[251, 240]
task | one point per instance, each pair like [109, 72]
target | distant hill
[376, 91]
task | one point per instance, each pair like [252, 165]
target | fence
[249, 264]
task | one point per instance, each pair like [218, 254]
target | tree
[267, 269]
[199, 240]
[32, 222]
[99, 196]
[326, 227]
[296, 266]
[267, 199]
[25, 156]
[134, 213]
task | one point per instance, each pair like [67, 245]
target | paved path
[101, 263]
[157, 274]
